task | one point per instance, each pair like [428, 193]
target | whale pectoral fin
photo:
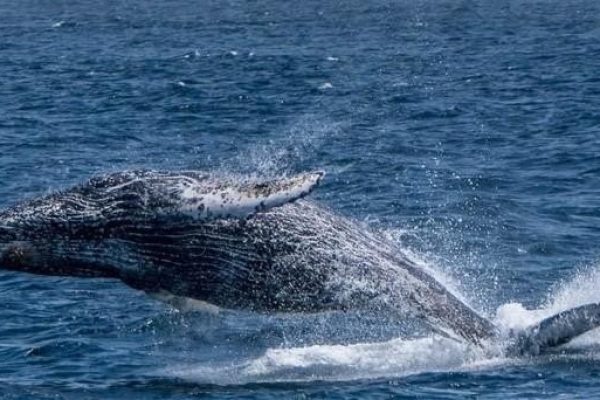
[147, 195]
[278, 192]
[185, 304]
[559, 329]
[244, 200]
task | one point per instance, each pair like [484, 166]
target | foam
[393, 358]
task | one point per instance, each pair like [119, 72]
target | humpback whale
[256, 246]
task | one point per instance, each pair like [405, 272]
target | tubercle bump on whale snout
[317, 177]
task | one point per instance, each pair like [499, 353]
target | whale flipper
[558, 329]
[203, 201]
[200, 196]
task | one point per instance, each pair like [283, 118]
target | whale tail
[557, 329]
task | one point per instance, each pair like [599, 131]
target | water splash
[292, 151]
[580, 289]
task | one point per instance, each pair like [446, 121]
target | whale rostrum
[243, 245]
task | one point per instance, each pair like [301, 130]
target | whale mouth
[68, 266]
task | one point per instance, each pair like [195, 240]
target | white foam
[393, 358]
[513, 317]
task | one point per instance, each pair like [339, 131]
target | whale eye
[19, 255]
[12, 255]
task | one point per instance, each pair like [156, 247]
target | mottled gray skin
[299, 257]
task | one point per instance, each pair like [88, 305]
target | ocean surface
[466, 131]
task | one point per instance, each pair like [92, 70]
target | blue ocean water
[468, 131]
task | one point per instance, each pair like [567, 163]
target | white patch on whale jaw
[185, 304]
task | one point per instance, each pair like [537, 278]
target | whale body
[244, 246]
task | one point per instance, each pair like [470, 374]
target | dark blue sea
[466, 131]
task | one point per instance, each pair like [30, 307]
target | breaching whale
[246, 246]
